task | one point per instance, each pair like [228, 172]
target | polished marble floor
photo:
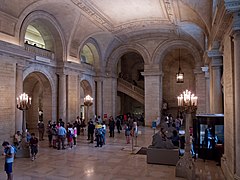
[113, 161]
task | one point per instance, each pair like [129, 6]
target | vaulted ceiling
[122, 19]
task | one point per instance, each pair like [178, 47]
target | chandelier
[179, 74]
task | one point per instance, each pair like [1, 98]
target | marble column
[19, 90]
[236, 40]
[216, 98]
[62, 97]
[153, 96]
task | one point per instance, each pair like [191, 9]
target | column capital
[98, 79]
[205, 69]
[152, 70]
[214, 53]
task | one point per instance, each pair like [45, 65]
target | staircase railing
[136, 92]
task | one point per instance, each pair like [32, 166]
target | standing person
[9, 158]
[104, 132]
[111, 126]
[127, 133]
[41, 129]
[34, 146]
[50, 133]
[54, 135]
[91, 128]
[118, 124]
[98, 133]
[17, 139]
[61, 136]
[70, 133]
[74, 135]
[78, 123]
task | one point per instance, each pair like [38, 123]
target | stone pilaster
[109, 96]
[19, 90]
[236, 39]
[207, 88]
[200, 89]
[62, 97]
[216, 98]
[99, 97]
[153, 95]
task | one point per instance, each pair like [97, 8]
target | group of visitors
[57, 134]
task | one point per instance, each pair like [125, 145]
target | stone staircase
[130, 90]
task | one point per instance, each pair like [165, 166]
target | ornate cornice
[232, 5]
[95, 15]
[214, 53]
[221, 23]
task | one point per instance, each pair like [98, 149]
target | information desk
[209, 135]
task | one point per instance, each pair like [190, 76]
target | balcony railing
[39, 51]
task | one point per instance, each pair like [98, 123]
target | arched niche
[112, 61]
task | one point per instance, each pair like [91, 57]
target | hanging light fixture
[180, 74]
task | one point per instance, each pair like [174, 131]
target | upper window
[33, 37]
[86, 55]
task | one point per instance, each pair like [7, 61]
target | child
[34, 146]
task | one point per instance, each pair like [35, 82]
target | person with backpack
[9, 158]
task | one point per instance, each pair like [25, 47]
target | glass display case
[209, 135]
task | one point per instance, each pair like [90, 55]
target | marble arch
[48, 76]
[163, 49]
[115, 56]
[50, 30]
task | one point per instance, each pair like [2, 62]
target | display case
[209, 135]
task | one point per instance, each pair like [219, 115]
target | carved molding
[232, 5]
[97, 16]
[169, 9]
[221, 23]
[93, 13]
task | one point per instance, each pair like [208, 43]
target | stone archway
[50, 31]
[39, 88]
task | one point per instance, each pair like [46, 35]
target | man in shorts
[9, 158]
